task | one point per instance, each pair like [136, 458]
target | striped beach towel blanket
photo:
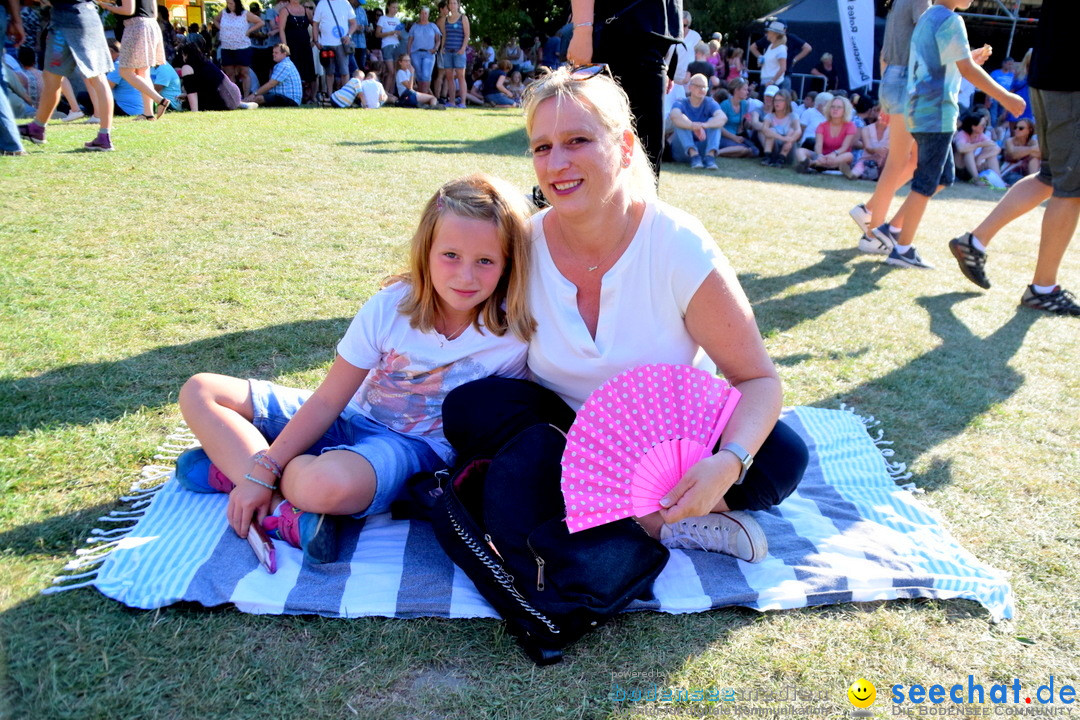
[850, 533]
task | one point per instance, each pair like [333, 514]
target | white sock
[976, 244]
[1043, 289]
[895, 230]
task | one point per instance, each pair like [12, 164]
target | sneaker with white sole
[734, 533]
[907, 259]
[33, 132]
[74, 115]
[1058, 301]
[885, 235]
[972, 261]
[695, 163]
[101, 143]
[92, 120]
[874, 245]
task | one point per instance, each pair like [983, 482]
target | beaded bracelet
[264, 460]
[257, 481]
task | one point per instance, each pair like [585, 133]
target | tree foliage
[502, 19]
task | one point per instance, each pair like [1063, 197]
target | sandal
[161, 108]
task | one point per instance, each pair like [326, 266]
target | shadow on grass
[81, 394]
[946, 388]
[513, 143]
[777, 314]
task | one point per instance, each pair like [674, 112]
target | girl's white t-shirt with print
[412, 371]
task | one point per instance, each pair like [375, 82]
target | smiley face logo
[862, 693]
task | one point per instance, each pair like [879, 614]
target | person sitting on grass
[733, 140]
[698, 120]
[495, 91]
[206, 87]
[975, 150]
[284, 88]
[299, 462]
[1022, 151]
[372, 93]
[832, 142]
[780, 131]
[811, 118]
[406, 96]
[875, 142]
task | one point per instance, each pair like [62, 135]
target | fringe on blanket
[83, 570]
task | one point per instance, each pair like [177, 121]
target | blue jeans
[684, 140]
[498, 99]
[424, 62]
[9, 132]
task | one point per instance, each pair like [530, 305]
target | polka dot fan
[636, 436]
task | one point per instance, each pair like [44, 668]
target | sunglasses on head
[586, 72]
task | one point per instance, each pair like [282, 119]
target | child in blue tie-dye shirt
[939, 59]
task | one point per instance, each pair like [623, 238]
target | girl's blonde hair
[479, 197]
[601, 96]
[786, 97]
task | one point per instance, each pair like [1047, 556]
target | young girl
[780, 131]
[294, 459]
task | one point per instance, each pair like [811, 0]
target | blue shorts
[453, 61]
[395, 456]
[935, 166]
[893, 93]
[390, 53]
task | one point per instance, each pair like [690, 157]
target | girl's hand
[246, 501]
[701, 490]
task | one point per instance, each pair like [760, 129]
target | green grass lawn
[244, 242]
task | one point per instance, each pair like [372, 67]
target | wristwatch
[744, 457]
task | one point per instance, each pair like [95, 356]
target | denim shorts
[395, 456]
[893, 92]
[935, 166]
[453, 60]
[76, 41]
[390, 53]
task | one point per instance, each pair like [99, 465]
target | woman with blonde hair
[620, 279]
[833, 141]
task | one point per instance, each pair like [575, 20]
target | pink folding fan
[636, 436]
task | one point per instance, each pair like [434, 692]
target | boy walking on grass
[939, 60]
[1055, 97]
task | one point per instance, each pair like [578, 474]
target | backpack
[501, 520]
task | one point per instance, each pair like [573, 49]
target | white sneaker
[74, 115]
[92, 120]
[874, 245]
[861, 216]
[733, 533]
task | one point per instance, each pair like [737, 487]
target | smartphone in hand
[263, 547]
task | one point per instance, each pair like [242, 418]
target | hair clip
[439, 204]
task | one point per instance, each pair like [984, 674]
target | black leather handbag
[501, 520]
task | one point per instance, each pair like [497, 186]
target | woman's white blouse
[643, 302]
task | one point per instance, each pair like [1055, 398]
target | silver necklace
[619, 242]
[448, 337]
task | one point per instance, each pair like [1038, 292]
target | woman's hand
[701, 490]
[249, 500]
